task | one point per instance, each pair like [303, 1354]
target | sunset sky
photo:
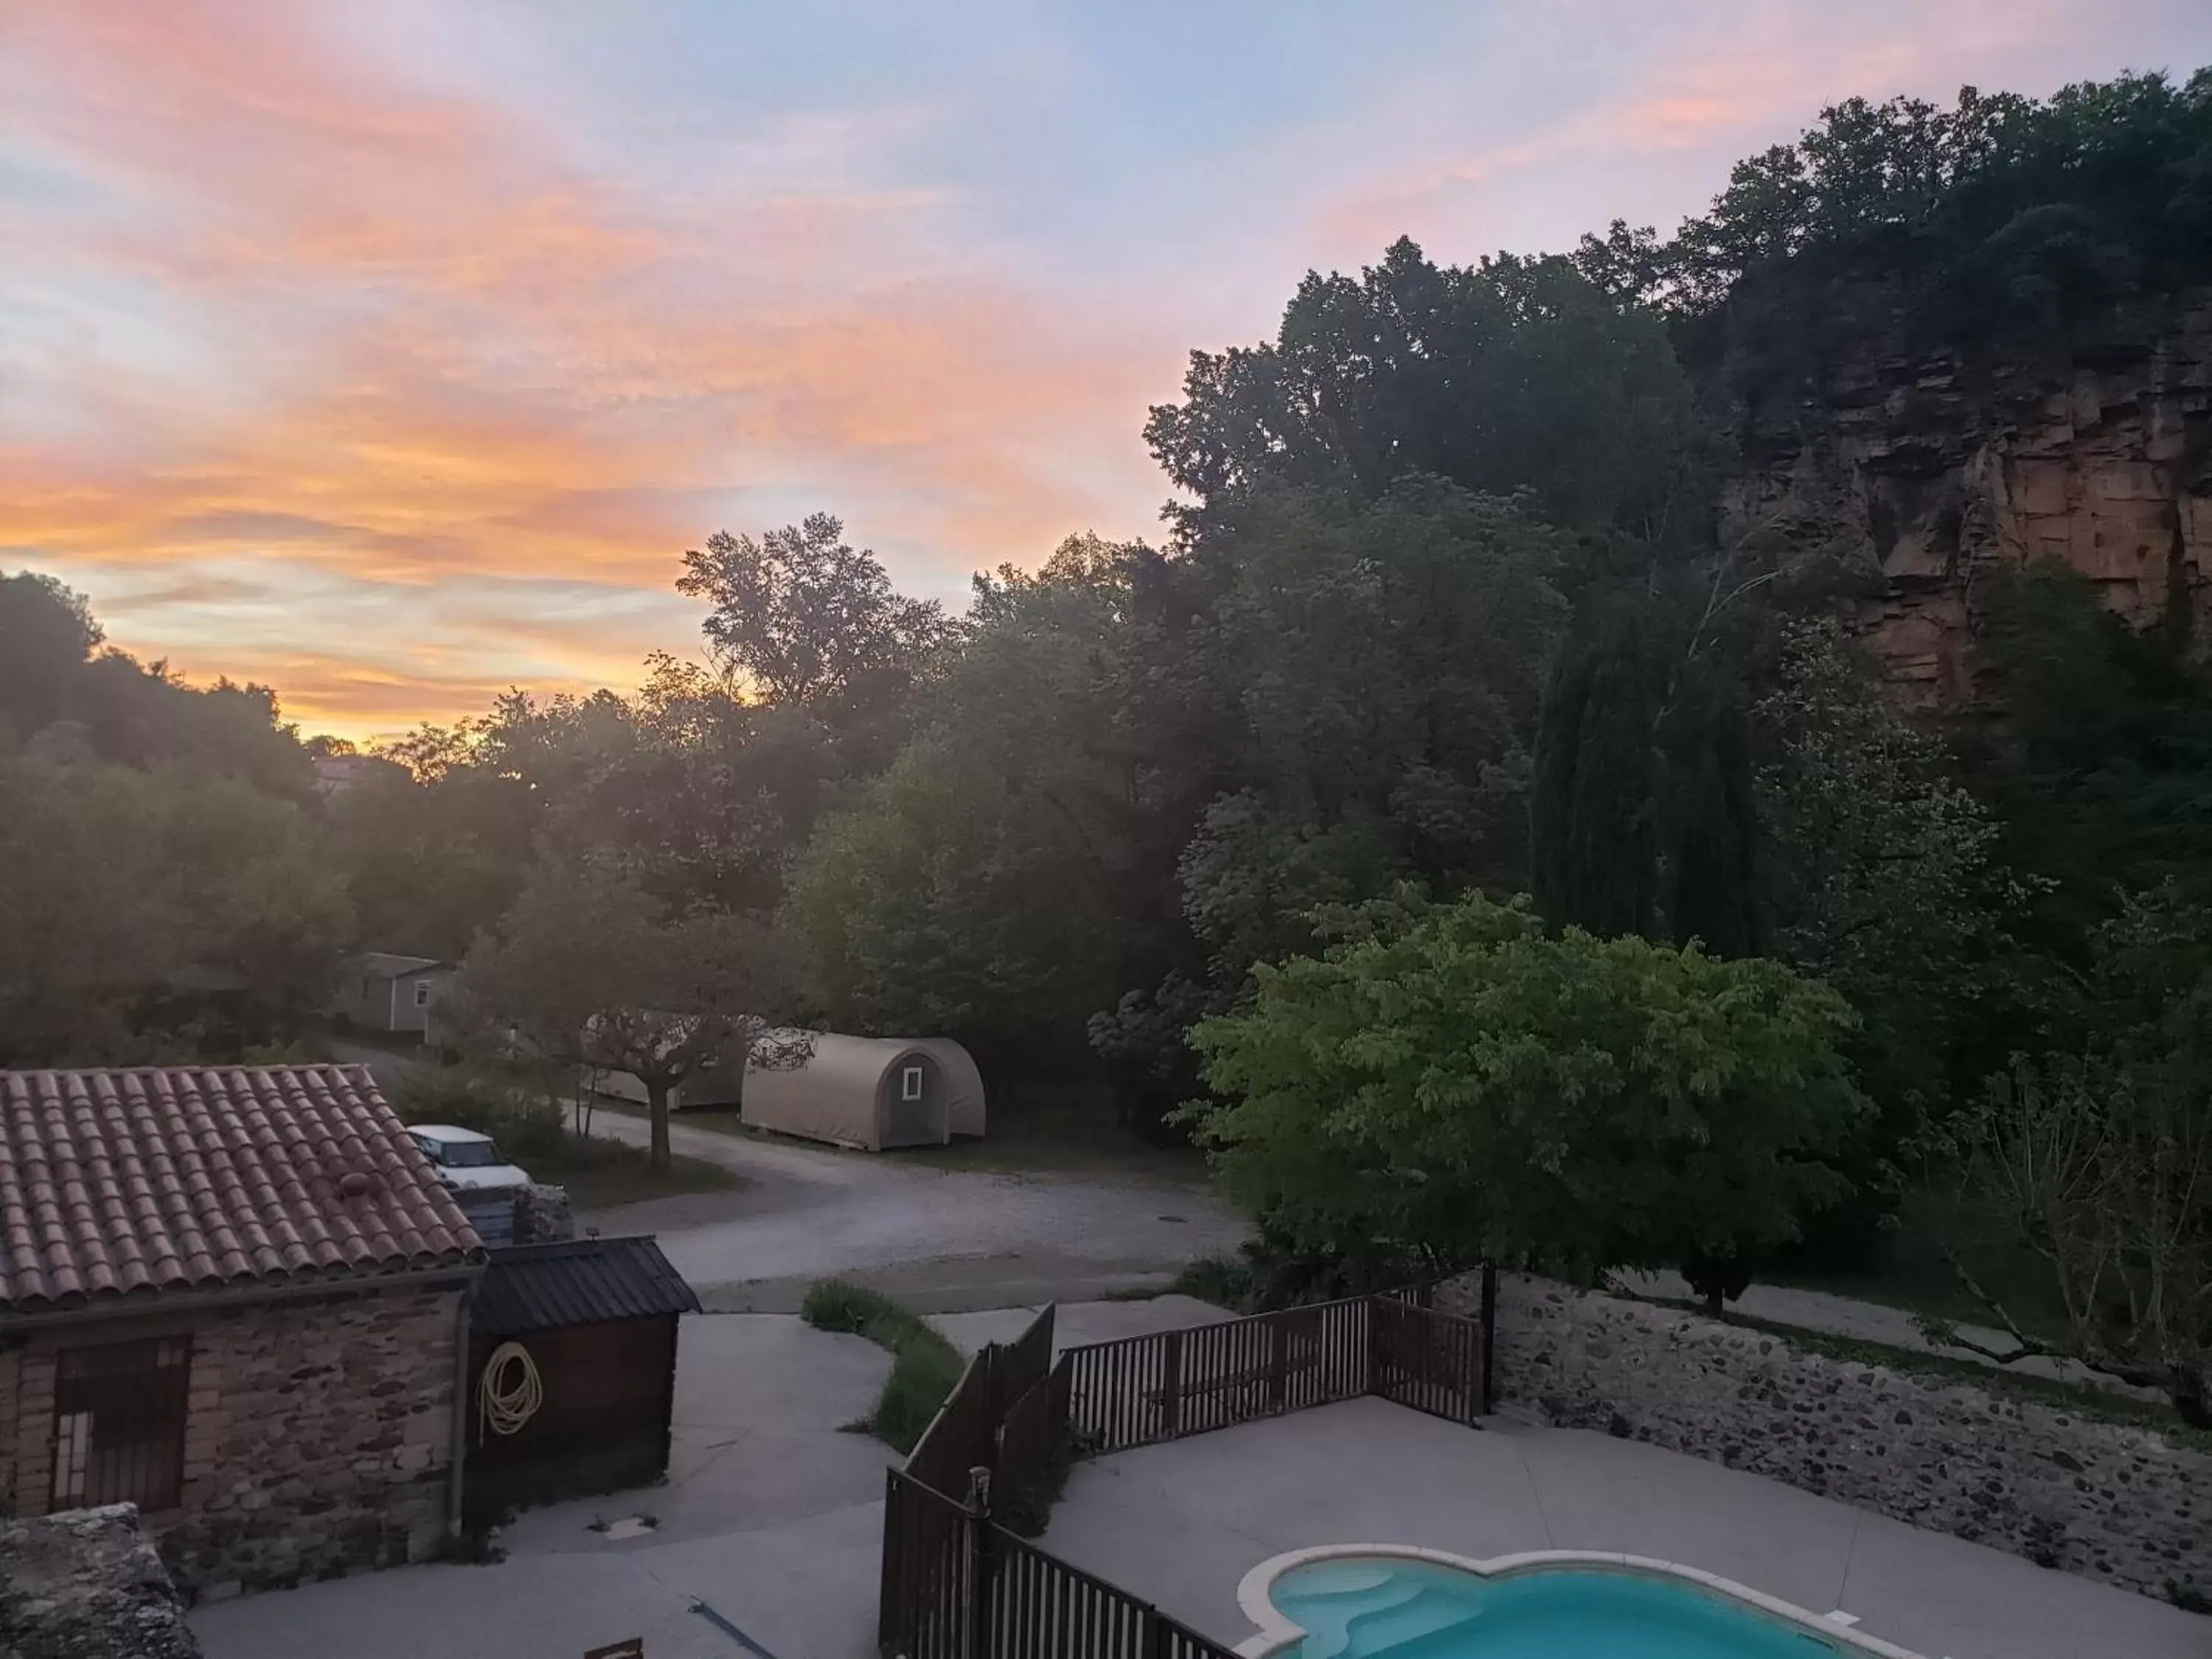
[392, 354]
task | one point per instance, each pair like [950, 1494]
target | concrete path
[1077, 1323]
[1872, 1321]
[770, 1515]
[1181, 1524]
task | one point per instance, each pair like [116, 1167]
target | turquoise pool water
[1367, 1607]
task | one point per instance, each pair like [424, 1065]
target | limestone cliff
[1925, 468]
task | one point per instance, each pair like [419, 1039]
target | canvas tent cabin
[869, 1092]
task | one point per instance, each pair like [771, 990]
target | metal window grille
[119, 1424]
[910, 1084]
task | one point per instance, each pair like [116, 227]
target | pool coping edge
[1275, 1634]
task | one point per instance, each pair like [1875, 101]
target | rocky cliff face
[1925, 470]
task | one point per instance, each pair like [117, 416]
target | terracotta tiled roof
[133, 1182]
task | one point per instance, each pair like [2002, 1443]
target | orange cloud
[449, 355]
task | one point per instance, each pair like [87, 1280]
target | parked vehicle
[465, 1160]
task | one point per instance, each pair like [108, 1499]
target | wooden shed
[572, 1373]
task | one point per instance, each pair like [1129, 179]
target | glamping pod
[868, 1092]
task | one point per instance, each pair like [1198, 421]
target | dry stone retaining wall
[2111, 1503]
[86, 1584]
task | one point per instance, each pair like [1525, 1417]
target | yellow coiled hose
[504, 1404]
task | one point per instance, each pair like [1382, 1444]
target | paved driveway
[941, 1239]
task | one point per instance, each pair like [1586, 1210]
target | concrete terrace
[770, 1515]
[1179, 1524]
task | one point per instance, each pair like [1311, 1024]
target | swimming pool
[1365, 1602]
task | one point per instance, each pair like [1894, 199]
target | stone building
[237, 1298]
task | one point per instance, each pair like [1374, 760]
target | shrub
[1223, 1280]
[925, 1366]
[924, 1372]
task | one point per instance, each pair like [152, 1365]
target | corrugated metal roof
[537, 1287]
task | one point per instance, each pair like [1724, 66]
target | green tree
[1506, 375]
[802, 616]
[1881, 873]
[47, 636]
[2099, 1160]
[590, 969]
[1467, 1086]
[157, 912]
[1642, 810]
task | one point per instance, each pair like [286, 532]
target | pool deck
[1181, 1524]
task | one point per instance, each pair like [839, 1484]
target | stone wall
[11, 1374]
[86, 1584]
[317, 1436]
[2109, 1503]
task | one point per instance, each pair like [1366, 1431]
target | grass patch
[1913, 1275]
[925, 1366]
[596, 1181]
[1063, 1143]
[1024, 1507]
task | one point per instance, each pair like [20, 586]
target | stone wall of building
[86, 1584]
[319, 1440]
[2116, 1503]
[318, 1436]
[11, 1374]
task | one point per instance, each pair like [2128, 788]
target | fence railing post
[1172, 1386]
[1489, 1333]
[976, 1574]
[1279, 1361]
[1156, 1634]
[891, 1586]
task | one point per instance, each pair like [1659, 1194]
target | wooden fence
[1023, 1362]
[1145, 1390]
[930, 1574]
[1035, 1445]
[958, 1585]
[963, 1435]
[1430, 1361]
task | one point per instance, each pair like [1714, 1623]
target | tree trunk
[1713, 1301]
[656, 1105]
